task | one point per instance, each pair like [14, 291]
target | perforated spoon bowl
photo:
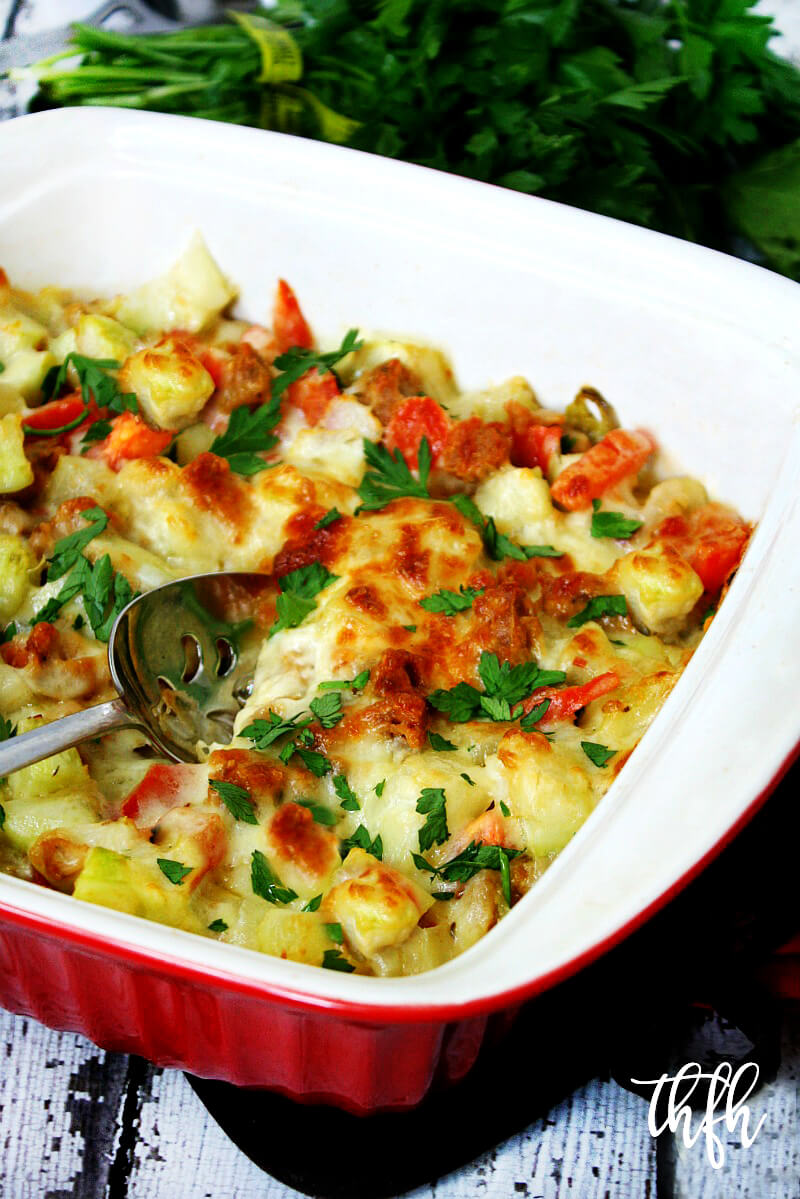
[183, 669]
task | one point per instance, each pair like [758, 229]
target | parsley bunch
[674, 114]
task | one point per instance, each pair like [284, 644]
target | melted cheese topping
[391, 834]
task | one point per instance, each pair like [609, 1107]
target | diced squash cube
[338, 453]
[299, 936]
[170, 383]
[127, 885]
[491, 404]
[16, 471]
[25, 371]
[550, 796]
[16, 561]
[61, 772]
[659, 585]
[516, 496]
[65, 343]
[103, 337]
[19, 332]
[375, 904]
[189, 296]
[193, 441]
[29, 816]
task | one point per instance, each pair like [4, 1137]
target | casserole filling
[471, 608]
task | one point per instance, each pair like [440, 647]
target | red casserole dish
[666, 329]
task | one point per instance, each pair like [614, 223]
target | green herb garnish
[599, 605]
[335, 932]
[299, 589]
[265, 883]
[175, 871]
[328, 709]
[612, 524]
[451, 602]
[217, 926]
[320, 813]
[346, 793]
[296, 362]
[389, 477]
[237, 800]
[505, 686]
[332, 960]
[467, 864]
[313, 904]
[440, 743]
[330, 516]
[599, 754]
[362, 840]
[432, 804]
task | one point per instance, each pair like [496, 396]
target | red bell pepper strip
[566, 701]
[288, 323]
[619, 454]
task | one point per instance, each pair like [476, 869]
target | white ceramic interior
[700, 347]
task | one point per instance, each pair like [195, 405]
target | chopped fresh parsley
[529, 722]
[67, 550]
[2, 813]
[299, 589]
[612, 524]
[95, 384]
[335, 932]
[709, 612]
[8, 632]
[328, 709]
[2, 368]
[504, 687]
[265, 883]
[451, 602]
[468, 779]
[321, 814]
[362, 840]
[249, 434]
[313, 904]
[332, 960]
[330, 516]
[379, 788]
[599, 605]
[356, 684]
[346, 793]
[504, 808]
[297, 361]
[314, 761]
[432, 804]
[175, 871]
[217, 926]
[237, 800]
[410, 628]
[7, 729]
[263, 732]
[467, 864]
[542, 551]
[599, 754]
[440, 743]
[389, 477]
[105, 594]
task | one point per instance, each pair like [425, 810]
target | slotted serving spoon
[182, 670]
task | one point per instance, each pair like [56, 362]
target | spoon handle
[40, 743]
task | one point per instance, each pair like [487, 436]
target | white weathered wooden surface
[77, 1123]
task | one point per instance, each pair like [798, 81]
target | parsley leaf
[98, 430]
[335, 932]
[298, 591]
[328, 709]
[504, 808]
[379, 788]
[265, 883]
[599, 605]
[320, 813]
[440, 743]
[330, 516]
[297, 361]
[346, 793]
[356, 684]
[333, 960]
[237, 800]
[312, 905]
[263, 732]
[8, 632]
[314, 761]
[362, 840]
[67, 550]
[474, 858]
[504, 687]
[94, 383]
[450, 602]
[249, 433]
[468, 779]
[217, 926]
[432, 804]
[175, 871]
[529, 722]
[612, 524]
[2, 811]
[599, 754]
[389, 476]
